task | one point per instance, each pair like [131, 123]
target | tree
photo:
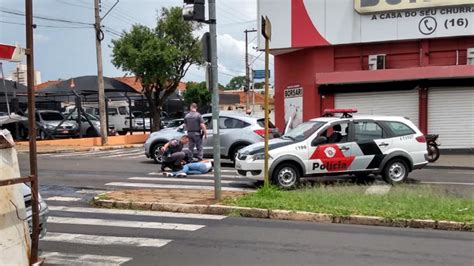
[158, 57]
[197, 93]
[236, 83]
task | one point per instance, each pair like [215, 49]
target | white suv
[359, 145]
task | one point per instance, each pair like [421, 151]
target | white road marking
[91, 191]
[378, 190]
[135, 212]
[169, 186]
[202, 175]
[120, 223]
[448, 183]
[67, 199]
[188, 180]
[97, 240]
[57, 258]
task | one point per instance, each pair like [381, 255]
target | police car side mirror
[319, 140]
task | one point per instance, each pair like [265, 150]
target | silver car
[236, 132]
[43, 211]
[48, 125]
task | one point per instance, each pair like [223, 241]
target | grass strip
[402, 202]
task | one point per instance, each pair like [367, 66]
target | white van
[118, 112]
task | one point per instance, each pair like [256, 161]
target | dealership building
[386, 57]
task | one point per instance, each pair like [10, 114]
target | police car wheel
[286, 176]
[156, 153]
[395, 171]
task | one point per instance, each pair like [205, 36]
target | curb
[285, 215]
[105, 148]
[452, 167]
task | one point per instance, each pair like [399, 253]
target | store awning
[390, 75]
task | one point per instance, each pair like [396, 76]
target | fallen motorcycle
[432, 146]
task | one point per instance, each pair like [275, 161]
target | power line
[233, 9]
[19, 13]
[74, 4]
[47, 26]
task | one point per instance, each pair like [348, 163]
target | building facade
[408, 58]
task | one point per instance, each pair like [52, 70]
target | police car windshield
[304, 130]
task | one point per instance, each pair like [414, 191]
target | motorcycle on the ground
[432, 146]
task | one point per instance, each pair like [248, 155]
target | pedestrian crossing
[83, 235]
[125, 154]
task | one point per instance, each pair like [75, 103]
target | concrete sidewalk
[454, 161]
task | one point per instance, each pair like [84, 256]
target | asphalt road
[79, 234]
[128, 168]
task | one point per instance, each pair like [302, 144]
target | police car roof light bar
[346, 113]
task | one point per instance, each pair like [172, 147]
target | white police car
[359, 145]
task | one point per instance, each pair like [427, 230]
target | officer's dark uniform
[193, 121]
[174, 155]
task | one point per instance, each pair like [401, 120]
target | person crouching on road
[197, 168]
[196, 128]
[173, 154]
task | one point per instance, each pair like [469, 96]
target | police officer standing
[194, 124]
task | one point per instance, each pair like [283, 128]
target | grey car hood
[259, 147]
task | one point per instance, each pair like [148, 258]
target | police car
[338, 145]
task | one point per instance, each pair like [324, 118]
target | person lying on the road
[173, 153]
[197, 168]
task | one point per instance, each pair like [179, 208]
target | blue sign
[260, 74]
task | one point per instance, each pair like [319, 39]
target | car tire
[122, 133]
[91, 132]
[286, 176]
[395, 171]
[156, 154]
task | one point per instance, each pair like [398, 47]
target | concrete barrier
[14, 232]
[90, 142]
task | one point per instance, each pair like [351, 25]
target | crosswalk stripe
[233, 175]
[170, 186]
[188, 180]
[120, 223]
[97, 240]
[67, 199]
[56, 258]
[88, 153]
[137, 156]
[135, 212]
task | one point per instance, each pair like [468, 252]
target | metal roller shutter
[399, 103]
[451, 115]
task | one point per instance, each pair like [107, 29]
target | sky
[65, 50]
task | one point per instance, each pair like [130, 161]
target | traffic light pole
[215, 100]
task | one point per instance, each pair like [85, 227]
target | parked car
[43, 211]
[47, 122]
[118, 115]
[360, 145]
[87, 130]
[236, 132]
[173, 123]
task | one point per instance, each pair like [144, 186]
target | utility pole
[247, 68]
[99, 36]
[267, 34]
[215, 100]
[32, 131]
[194, 10]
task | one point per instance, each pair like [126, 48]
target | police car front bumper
[247, 167]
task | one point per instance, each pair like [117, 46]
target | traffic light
[194, 10]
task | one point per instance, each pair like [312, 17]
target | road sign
[260, 74]
[11, 53]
